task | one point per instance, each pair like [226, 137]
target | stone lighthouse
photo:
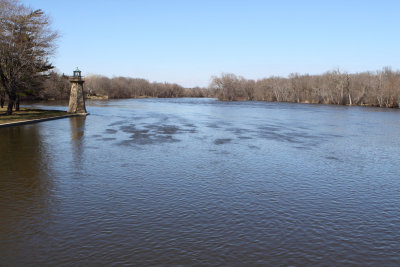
[77, 98]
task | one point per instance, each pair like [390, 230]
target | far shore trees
[26, 42]
[380, 89]
[124, 87]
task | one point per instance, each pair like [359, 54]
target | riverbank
[309, 102]
[29, 115]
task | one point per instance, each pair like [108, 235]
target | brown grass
[26, 114]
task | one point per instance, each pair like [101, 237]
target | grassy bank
[27, 114]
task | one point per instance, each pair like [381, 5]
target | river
[186, 182]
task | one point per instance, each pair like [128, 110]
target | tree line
[125, 87]
[380, 88]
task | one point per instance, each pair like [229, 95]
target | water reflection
[77, 126]
[25, 183]
[23, 163]
[77, 129]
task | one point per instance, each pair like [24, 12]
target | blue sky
[186, 42]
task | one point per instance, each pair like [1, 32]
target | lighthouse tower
[77, 98]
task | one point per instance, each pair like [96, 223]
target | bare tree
[26, 42]
[2, 97]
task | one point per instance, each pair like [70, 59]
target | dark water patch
[190, 125]
[202, 138]
[96, 135]
[221, 141]
[141, 138]
[292, 135]
[270, 128]
[303, 127]
[117, 123]
[140, 133]
[304, 147]
[223, 152]
[332, 158]
[245, 137]
[166, 139]
[134, 142]
[152, 134]
[335, 135]
[109, 139]
[110, 131]
[239, 131]
[213, 125]
[137, 118]
[280, 137]
[218, 152]
[147, 139]
[189, 130]
[168, 129]
[307, 138]
[253, 147]
[302, 135]
[92, 147]
[156, 127]
[312, 138]
[131, 128]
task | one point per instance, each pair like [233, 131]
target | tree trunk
[2, 100]
[17, 103]
[10, 107]
[11, 101]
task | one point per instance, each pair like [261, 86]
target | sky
[187, 42]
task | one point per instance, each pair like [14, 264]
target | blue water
[201, 182]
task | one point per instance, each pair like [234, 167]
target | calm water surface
[201, 182]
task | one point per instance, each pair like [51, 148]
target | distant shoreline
[219, 99]
[310, 103]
